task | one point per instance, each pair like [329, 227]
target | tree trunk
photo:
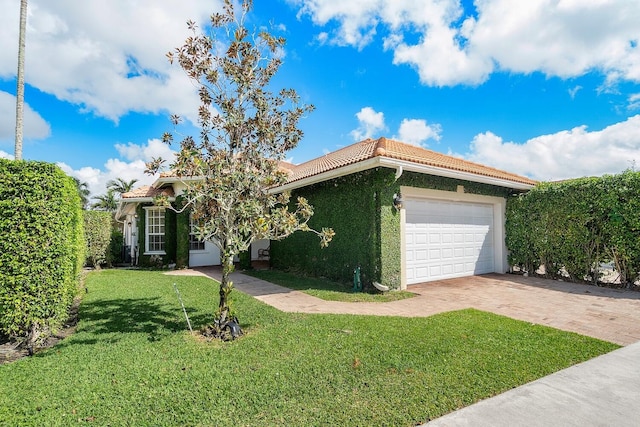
[20, 78]
[225, 286]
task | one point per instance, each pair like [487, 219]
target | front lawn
[131, 362]
[325, 289]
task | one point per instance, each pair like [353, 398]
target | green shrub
[572, 227]
[116, 246]
[42, 247]
[97, 226]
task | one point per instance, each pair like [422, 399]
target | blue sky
[547, 89]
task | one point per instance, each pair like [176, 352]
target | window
[194, 243]
[155, 230]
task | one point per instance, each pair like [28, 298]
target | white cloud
[153, 149]
[574, 91]
[412, 131]
[5, 155]
[107, 56]
[564, 38]
[634, 101]
[35, 127]
[417, 131]
[131, 166]
[567, 154]
[370, 123]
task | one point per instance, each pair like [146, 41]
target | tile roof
[397, 150]
[147, 191]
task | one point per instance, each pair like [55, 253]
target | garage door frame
[499, 207]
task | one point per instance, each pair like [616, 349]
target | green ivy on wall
[183, 228]
[170, 236]
[359, 207]
[176, 239]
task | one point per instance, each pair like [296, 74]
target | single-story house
[402, 213]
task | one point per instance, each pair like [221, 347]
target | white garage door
[447, 239]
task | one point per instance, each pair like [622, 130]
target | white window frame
[193, 237]
[152, 212]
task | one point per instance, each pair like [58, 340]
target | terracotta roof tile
[397, 150]
[147, 191]
[345, 156]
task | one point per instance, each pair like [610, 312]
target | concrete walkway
[603, 391]
[608, 314]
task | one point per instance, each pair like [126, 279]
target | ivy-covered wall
[176, 239]
[170, 236]
[359, 207]
[182, 235]
[348, 205]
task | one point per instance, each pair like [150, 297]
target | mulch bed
[11, 350]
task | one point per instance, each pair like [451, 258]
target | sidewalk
[603, 391]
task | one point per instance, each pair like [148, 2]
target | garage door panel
[447, 239]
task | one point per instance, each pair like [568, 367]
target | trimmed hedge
[359, 208]
[42, 248]
[97, 228]
[572, 227]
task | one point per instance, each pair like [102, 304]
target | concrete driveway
[609, 314]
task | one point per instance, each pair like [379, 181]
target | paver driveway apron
[608, 314]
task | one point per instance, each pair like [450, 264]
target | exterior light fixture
[397, 201]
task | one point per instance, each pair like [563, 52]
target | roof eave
[405, 165]
[451, 173]
[158, 183]
[330, 174]
[143, 200]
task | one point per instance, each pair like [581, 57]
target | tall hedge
[97, 228]
[41, 247]
[572, 227]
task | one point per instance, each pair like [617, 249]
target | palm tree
[20, 78]
[83, 190]
[120, 186]
[106, 202]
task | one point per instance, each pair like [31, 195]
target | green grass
[325, 289]
[131, 362]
